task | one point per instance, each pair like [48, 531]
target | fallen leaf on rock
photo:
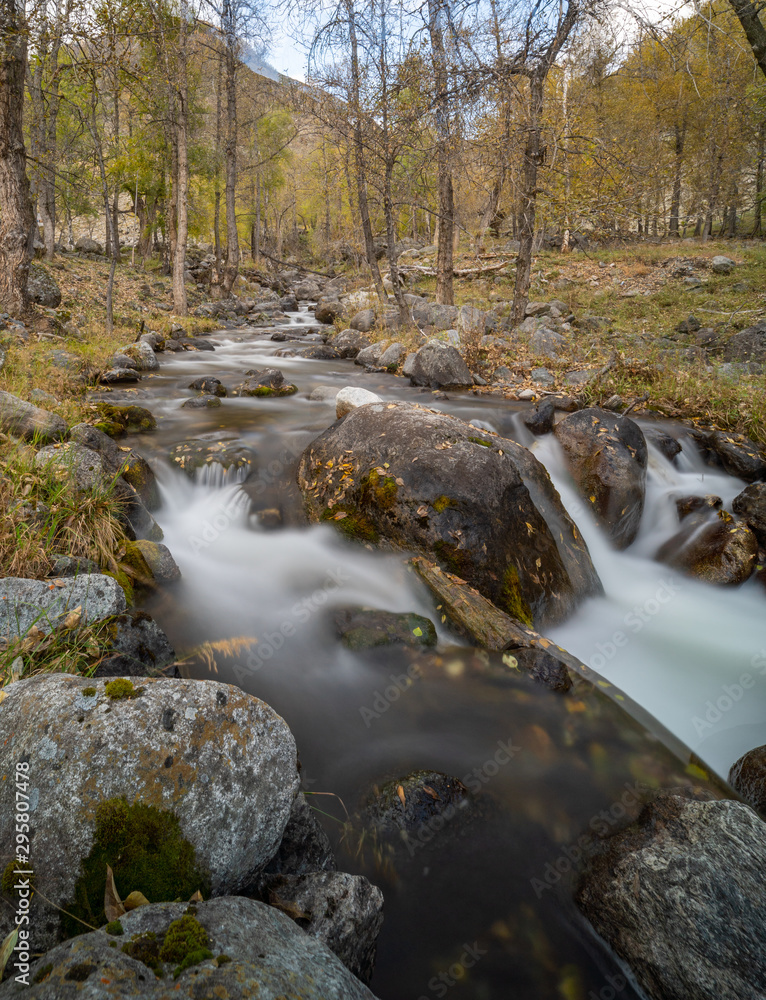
[134, 900]
[113, 907]
[400, 793]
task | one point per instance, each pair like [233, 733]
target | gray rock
[344, 912]
[351, 397]
[87, 245]
[40, 396]
[82, 464]
[484, 504]
[737, 454]
[198, 454]
[42, 287]
[323, 393]
[392, 355]
[722, 265]
[24, 603]
[265, 384]
[64, 565]
[747, 346]
[579, 378]
[210, 385]
[363, 321]
[27, 421]
[542, 376]
[537, 309]
[203, 402]
[370, 356]
[718, 549]
[471, 320]
[159, 560]
[328, 310]
[307, 290]
[350, 343]
[270, 958]
[305, 847]
[140, 648]
[440, 317]
[133, 469]
[439, 366]
[540, 420]
[750, 504]
[607, 457]
[546, 343]
[748, 776]
[117, 376]
[143, 355]
[680, 897]
[123, 361]
[217, 758]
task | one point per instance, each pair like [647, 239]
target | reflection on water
[483, 912]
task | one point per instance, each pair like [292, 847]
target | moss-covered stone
[183, 937]
[147, 853]
[42, 973]
[133, 563]
[441, 503]
[512, 599]
[121, 688]
[359, 628]
[379, 490]
[145, 948]
[353, 524]
[131, 419]
[481, 441]
[114, 927]
[89, 692]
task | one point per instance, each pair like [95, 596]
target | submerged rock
[680, 897]
[270, 382]
[607, 457]
[718, 550]
[244, 949]
[404, 805]
[213, 756]
[198, 453]
[362, 628]
[26, 421]
[206, 401]
[484, 505]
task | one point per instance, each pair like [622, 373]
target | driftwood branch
[463, 272]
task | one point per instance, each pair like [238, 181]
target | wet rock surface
[748, 776]
[363, 628]
[718, 549]
[680, 897]
[270, 382]
[607, 457]
[481, 503]
[750, 504]
[24, 603]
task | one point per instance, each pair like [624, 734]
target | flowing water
[485, 910]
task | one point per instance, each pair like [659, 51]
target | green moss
[135, 566]
[121, 688]
[42, 973]
[114, 928]
[147, 853]
[132, 419]
[193, 958]
[481, 441]
[223, 960]
[88, 692]
[145, 948]
[457, 561]
[124, 581]
[353, 525]
[379, 490]
[182, 938]
[114, 430]
[442, 503]
[12, 875]
[512, 599]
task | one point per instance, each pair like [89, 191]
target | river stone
[680, 896]
[365, 628]
[305, 847]
[720, 550]
[427, 481]
[607, 457]
[399, 808]
[748, 776]
[363, 321]
[328, 310]
[392, 355]
[747, 345]
[24, 603]
[118, 376]
[221, 760]
[140, 648]
[666, 445]
[738, 455]
[350, 343]
[324, 393]
[42, 287]
[370, 356]
[722, 265]
[209, 384]
[439, 366]
[540, 420]
[269, 382]
[270, 958]
[159, 560]
[26, 421]
[143, 355]
[694, 504]
[128, 419]
[203, 402]
[750, 504]
[351, 397]
[133, 468]
[344, 912]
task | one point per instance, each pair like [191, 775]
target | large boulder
[748, 776]
[750, 504]
[133, 468]
[86, 244]
[427, 481]
[222, 762]
[231, 947]
[607, 457]
[350, 343]
[436, 315]
[680, 896]
[718, 549]
[42, 288]
[738, 455]
[747, 345]
[439, 365]
[27, 421]
[24, 603]
[142, 355]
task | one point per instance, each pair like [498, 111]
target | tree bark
[16, 216]
[747, 13]
[181, 192]
[231, 267]
[757, 229]
[445, 244]
[675, 201]
[532, 158]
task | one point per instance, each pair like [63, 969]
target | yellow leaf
[400, 793]
[134, 900]
[72, 620]
[197, 897]
[340, 515]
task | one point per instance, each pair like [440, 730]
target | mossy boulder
[365, 628]
[263, 384]
[129, 419]
[417, 479]
[218, 760]
[232, 947]
[607, 457]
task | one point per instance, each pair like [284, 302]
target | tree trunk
[675, 201]
[181, 192]
[757, 208]
[231, 267]
[16, 216]
[532, 158]
[747, 11]
[445, 246]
